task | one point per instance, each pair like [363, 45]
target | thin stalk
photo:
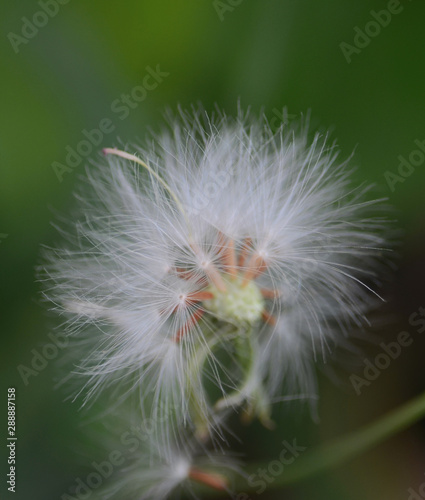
[346, 448]
[136, 159]
[196, 407]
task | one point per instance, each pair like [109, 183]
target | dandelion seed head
[213, 226]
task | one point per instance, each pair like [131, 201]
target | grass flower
[222, 255]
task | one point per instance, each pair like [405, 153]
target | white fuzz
[154, 468]
[153, 474]
[219, 236]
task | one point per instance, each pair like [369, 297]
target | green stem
[244, 353]
[344, 449]
[197, 410]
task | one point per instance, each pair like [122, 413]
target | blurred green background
[269, 53]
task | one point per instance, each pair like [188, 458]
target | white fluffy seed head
[233, 225]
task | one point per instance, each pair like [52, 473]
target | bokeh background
[268, 53]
